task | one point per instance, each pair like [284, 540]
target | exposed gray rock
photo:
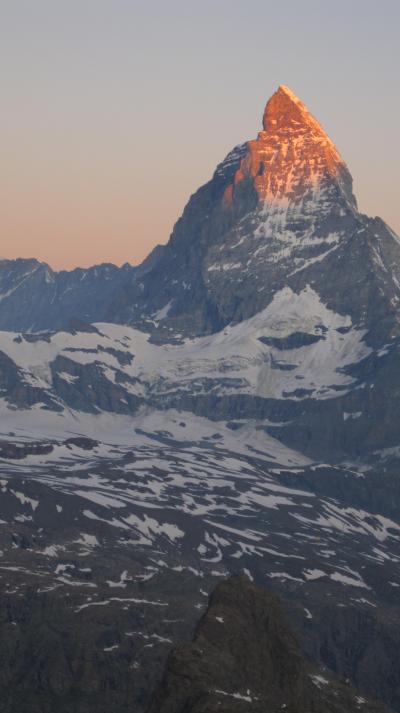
[244, 658]
[33, 297]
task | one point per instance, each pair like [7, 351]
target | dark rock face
[57, 657]
[34, 297]
[20, 392]
[12, 451]
[87, 389]
[361, 646]
[244, 658]
[18, 451]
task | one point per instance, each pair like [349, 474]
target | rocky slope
[123, 532]
[35, 298]
[244, 658]
[304, 373]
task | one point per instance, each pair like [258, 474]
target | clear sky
[115, 111]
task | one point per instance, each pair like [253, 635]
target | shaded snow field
[262, 356]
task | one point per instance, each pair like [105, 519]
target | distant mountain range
[35, 298]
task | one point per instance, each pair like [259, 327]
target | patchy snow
[319, 680]
[25, 500]
[129, 600]
[53, 550]
[70, 378]
[355, 581]
[88, 540]
[353, 415]
[248, 697]
[311, 574]
[163, 312]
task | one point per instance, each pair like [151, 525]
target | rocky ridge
[244, 658]
[35, 298]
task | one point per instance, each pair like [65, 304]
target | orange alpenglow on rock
[291, 155]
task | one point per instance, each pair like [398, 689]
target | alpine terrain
[230, 406]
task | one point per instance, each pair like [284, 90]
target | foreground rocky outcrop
[244, 658]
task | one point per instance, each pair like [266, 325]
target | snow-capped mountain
[274, 299]
[279, 212]
[230, 405]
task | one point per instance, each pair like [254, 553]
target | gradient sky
[115, 111]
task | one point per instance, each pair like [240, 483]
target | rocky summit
[245, 659]
[230, 405]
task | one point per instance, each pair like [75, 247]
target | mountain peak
[286, 90]
[289, 94]
[285, 109]
[293, 157]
